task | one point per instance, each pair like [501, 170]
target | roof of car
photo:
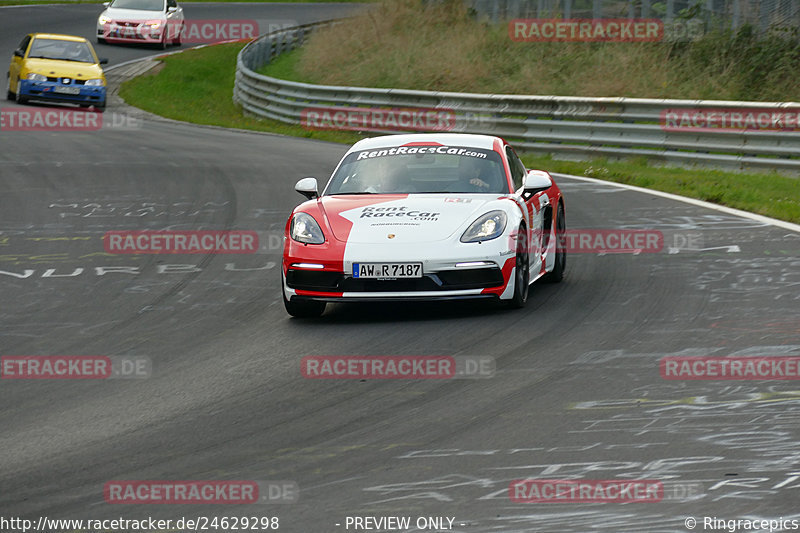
[59, 36]
[485, 142]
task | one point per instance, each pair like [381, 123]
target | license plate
[387, 270]
[67, 90]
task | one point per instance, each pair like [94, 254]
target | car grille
[448, 280]
[72, 81]
[135, 24]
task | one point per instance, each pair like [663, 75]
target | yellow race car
[57, 68]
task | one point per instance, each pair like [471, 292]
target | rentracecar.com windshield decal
[410, 150]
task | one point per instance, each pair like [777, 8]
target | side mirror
[307, 187]
[103, 61]
[19, 52]
[105, 4]
[537, 180]
[172, 9]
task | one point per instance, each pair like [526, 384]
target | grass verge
[771, 195]
[443, 46]
[196, 86]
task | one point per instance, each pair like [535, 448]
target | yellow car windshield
[61, 50]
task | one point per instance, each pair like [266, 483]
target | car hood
[116, 13]
[407, 217]
[64, 69]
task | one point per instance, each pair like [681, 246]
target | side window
[24, 44]
[517, 168]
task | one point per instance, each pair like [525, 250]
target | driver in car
[474, 174]
[77, 52]
[387, 178]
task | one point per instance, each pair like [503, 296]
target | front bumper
[130, 32]
[448, 276]
[46, 90]
[457, 280]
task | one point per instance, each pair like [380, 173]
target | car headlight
[103, 19]
[35, 77]
[306, 230]
[485, 228]
[153, 24]
[94, 82]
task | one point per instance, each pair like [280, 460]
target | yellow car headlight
[95, 82]
[35, 77]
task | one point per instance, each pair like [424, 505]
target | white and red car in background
[423, 217]
[159, 22]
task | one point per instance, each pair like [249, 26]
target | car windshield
[144, 5]
[62, 50]
[420, 169]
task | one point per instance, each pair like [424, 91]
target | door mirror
[307, 187]
[103, 61]
[537, 180]
[19, 52]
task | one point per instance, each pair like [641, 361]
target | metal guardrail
[560, 125]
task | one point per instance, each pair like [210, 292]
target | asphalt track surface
[577, 392]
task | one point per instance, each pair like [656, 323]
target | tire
[177, 40]
[557, 274]
[9, 95]
[303, 308]
[163, 44]
[101, 107]
[522, 276]
[20, 99]
[100, 40]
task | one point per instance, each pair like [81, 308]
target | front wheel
[20, 99]
[177, 40]
[9, 94]
[303, 308]
[557, 274]
[522, 276]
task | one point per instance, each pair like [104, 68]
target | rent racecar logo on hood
[398, 212]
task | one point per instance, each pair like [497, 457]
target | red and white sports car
[423, 217]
